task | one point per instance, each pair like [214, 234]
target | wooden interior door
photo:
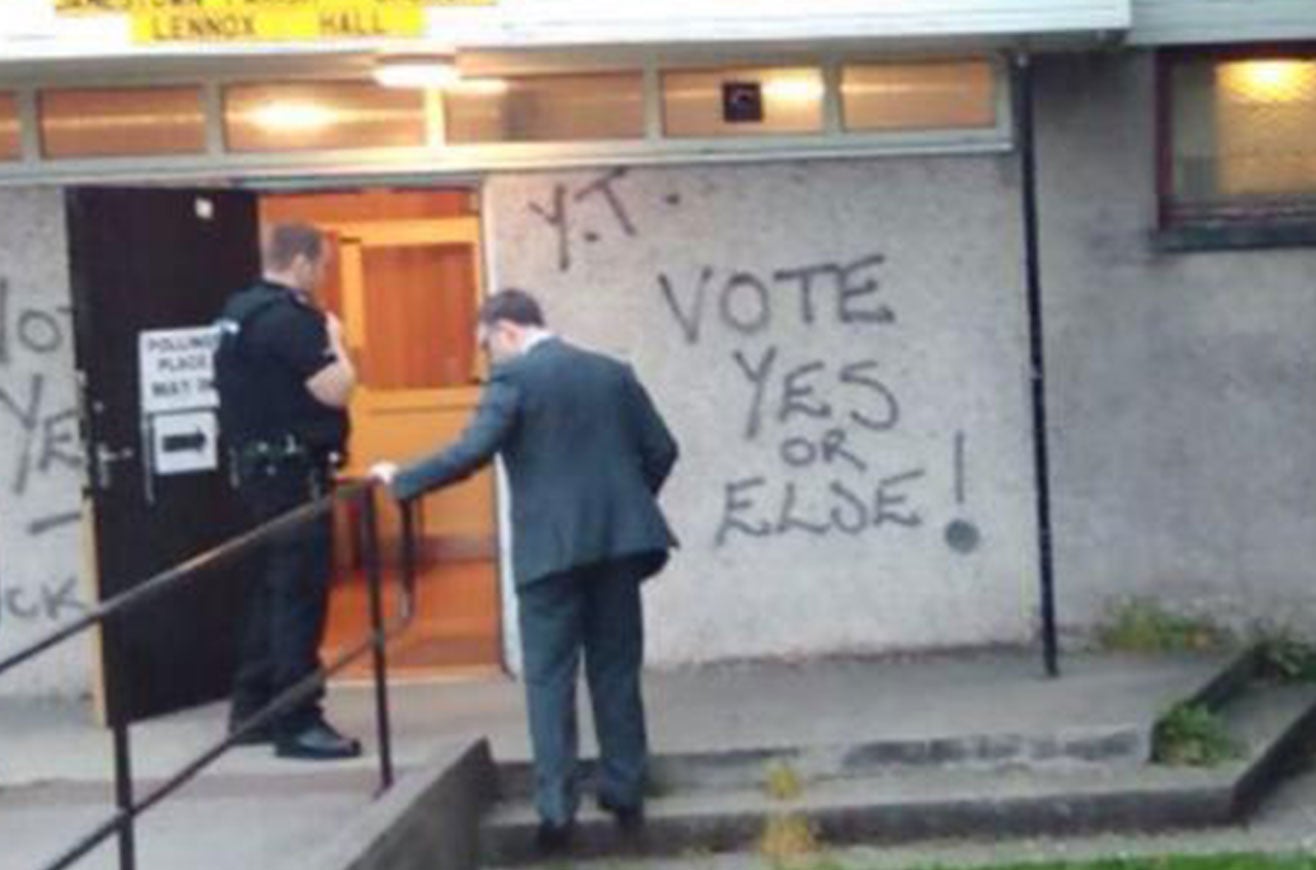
[410, 292]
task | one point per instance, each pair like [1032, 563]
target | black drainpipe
[1022, 69]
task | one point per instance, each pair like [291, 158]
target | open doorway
[406, 280]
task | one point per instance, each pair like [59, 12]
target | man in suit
[586, 454]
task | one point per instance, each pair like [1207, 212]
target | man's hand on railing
[384, 472]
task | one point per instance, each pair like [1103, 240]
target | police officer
[284, 381]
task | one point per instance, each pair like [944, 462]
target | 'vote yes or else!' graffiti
[820, 416]
[816, 414]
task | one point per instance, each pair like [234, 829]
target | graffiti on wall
[816, 415]
[815, 429]
[39, 434]
[589, 213]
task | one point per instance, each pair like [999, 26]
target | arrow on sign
[193, 442]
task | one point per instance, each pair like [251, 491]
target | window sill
[1235, 237]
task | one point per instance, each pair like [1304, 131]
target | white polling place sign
[178, 369]
[178, 398]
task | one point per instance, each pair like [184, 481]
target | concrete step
[1118, 746]
[1273, 722]
[903, 802]
[890, 808]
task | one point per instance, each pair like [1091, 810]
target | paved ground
[250, 809]
[722, 707]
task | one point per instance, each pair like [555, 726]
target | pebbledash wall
[841, 347]
[841, 350]
[1182, 387]
[41, 460]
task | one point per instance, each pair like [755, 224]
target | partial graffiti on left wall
[41, 458]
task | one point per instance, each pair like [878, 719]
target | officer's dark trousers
[596, 609]
[287, 598]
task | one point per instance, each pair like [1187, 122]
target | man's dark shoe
[629, 817]
[318, 742]
[553, 839]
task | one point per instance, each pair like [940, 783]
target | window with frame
[1238, 146]
[321, 115]
[121, 122]
[546, 108]
[11, 144]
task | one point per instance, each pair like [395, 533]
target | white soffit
[30, 30]
[1187, 22]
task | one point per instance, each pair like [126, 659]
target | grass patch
[1238, 861]
[781, 782]
[790, 840]
[1283, 657]
[1175, 862]
[1142, 625]
[1192, 735]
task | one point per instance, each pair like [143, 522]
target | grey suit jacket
[586, 454]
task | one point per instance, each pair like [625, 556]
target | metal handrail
[184, 573]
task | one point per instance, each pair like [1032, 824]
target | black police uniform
[283, 444]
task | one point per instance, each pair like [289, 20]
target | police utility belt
[280, 455]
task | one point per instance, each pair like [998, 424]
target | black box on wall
[742, 102]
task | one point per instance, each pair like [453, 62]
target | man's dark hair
[516, 306]
[284, 243]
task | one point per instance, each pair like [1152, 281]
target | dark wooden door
[148, 266]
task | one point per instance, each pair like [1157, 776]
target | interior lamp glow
[293, 116]
[801, 89]
[1274, 81]
[486, 87]
[416, 71]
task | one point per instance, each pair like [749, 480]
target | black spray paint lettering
[42, 525]
[51, 602]
[736, 502]
[31, 329]
[798, 395]
[688, 320]
[801, 452]
[603, 186]
[753, 312]
[758, 376]
[752, 509]
[48, 439]
[560, 213]
[748, 305]
[961, 535]
[872, 404]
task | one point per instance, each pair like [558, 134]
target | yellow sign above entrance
[215, 21]
[196, 7]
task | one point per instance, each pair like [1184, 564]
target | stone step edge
[1152, 798]
[844, 813]
[1123, 746]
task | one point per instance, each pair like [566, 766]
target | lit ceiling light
[793, 90]
[480, 87]
[293, 116]
[1269, 80]
[416, 71]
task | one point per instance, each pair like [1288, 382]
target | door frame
[486, 277]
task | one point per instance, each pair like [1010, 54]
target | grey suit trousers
[595, 609]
